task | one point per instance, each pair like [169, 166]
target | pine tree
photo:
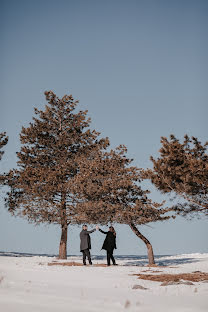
[182, 170]
[52, 147]
[108, 190]
[3, 142]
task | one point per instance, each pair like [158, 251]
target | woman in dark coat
[109, 244]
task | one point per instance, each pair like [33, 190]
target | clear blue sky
[139, 67]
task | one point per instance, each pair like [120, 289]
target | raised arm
[89, 232]
[103, 231]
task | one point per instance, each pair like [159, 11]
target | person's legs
[112, 258]
[88, 256]
[108, 258]
[84, 257]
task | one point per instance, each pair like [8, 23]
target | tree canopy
[182, 169]
[51, 148]
[113, 188]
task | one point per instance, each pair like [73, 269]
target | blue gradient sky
[139, 67]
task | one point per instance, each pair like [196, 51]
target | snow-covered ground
[29, 284]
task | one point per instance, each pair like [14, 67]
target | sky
[138, 67]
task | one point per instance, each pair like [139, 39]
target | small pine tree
[108, 190]
[52, 147]
[182, 169]
[3, 142]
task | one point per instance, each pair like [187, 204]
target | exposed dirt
[151, 271]
[168, 283]
[75, 264]
[139, 287]
[160, 266]
[192, 277]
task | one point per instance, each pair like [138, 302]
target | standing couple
[109, 243]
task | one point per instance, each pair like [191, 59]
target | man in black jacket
[85, 244]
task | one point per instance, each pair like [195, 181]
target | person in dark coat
[109, 244]
[85, 244]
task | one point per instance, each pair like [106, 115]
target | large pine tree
[113, 189]
[52, 147]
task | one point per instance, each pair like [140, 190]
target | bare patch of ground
[160, 266]
[139, 287]
[168, 283]
[151, 271]
[192, 277]
[74, 264]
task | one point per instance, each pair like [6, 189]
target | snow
[27, 283]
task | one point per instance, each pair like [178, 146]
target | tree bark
[63, 242]
[147, 243]
[64, 228]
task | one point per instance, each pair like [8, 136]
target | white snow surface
[29, 284]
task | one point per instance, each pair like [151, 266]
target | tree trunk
[147, 243]
[63, 242]
[64, 228]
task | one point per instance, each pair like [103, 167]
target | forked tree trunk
[147, 243]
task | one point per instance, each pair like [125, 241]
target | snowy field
[27, 283]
